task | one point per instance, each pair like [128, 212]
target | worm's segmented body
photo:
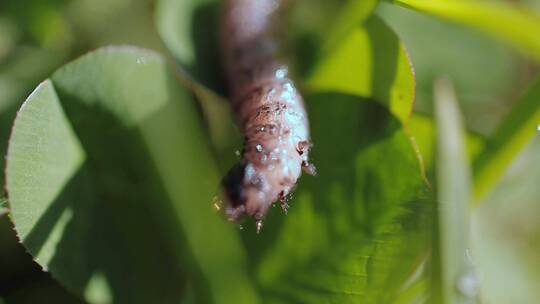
[269, 110]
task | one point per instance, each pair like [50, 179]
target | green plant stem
[512, 135]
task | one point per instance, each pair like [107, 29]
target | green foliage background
[426, 190]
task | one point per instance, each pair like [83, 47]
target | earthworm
[268, 107]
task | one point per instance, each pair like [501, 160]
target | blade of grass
[510, 23]
[512, 135]
[453, 194]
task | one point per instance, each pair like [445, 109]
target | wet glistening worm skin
[269, 110]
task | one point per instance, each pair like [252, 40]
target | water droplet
[285, 206]
[249, 172]
[288, 87]
[258, 147]
[290, 196]
[141, 60]
[467, 284]
[259, 225]
[469, 256]
[281, 72]
[274, 155]
[309, 168]
[217, 203]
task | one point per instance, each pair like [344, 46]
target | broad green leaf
[356, 232]
[110, 185]
[18, 77]
[370, 62]
[512, 135]
[517, 26]
[453, 197]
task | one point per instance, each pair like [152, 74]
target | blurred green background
[38, 36]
